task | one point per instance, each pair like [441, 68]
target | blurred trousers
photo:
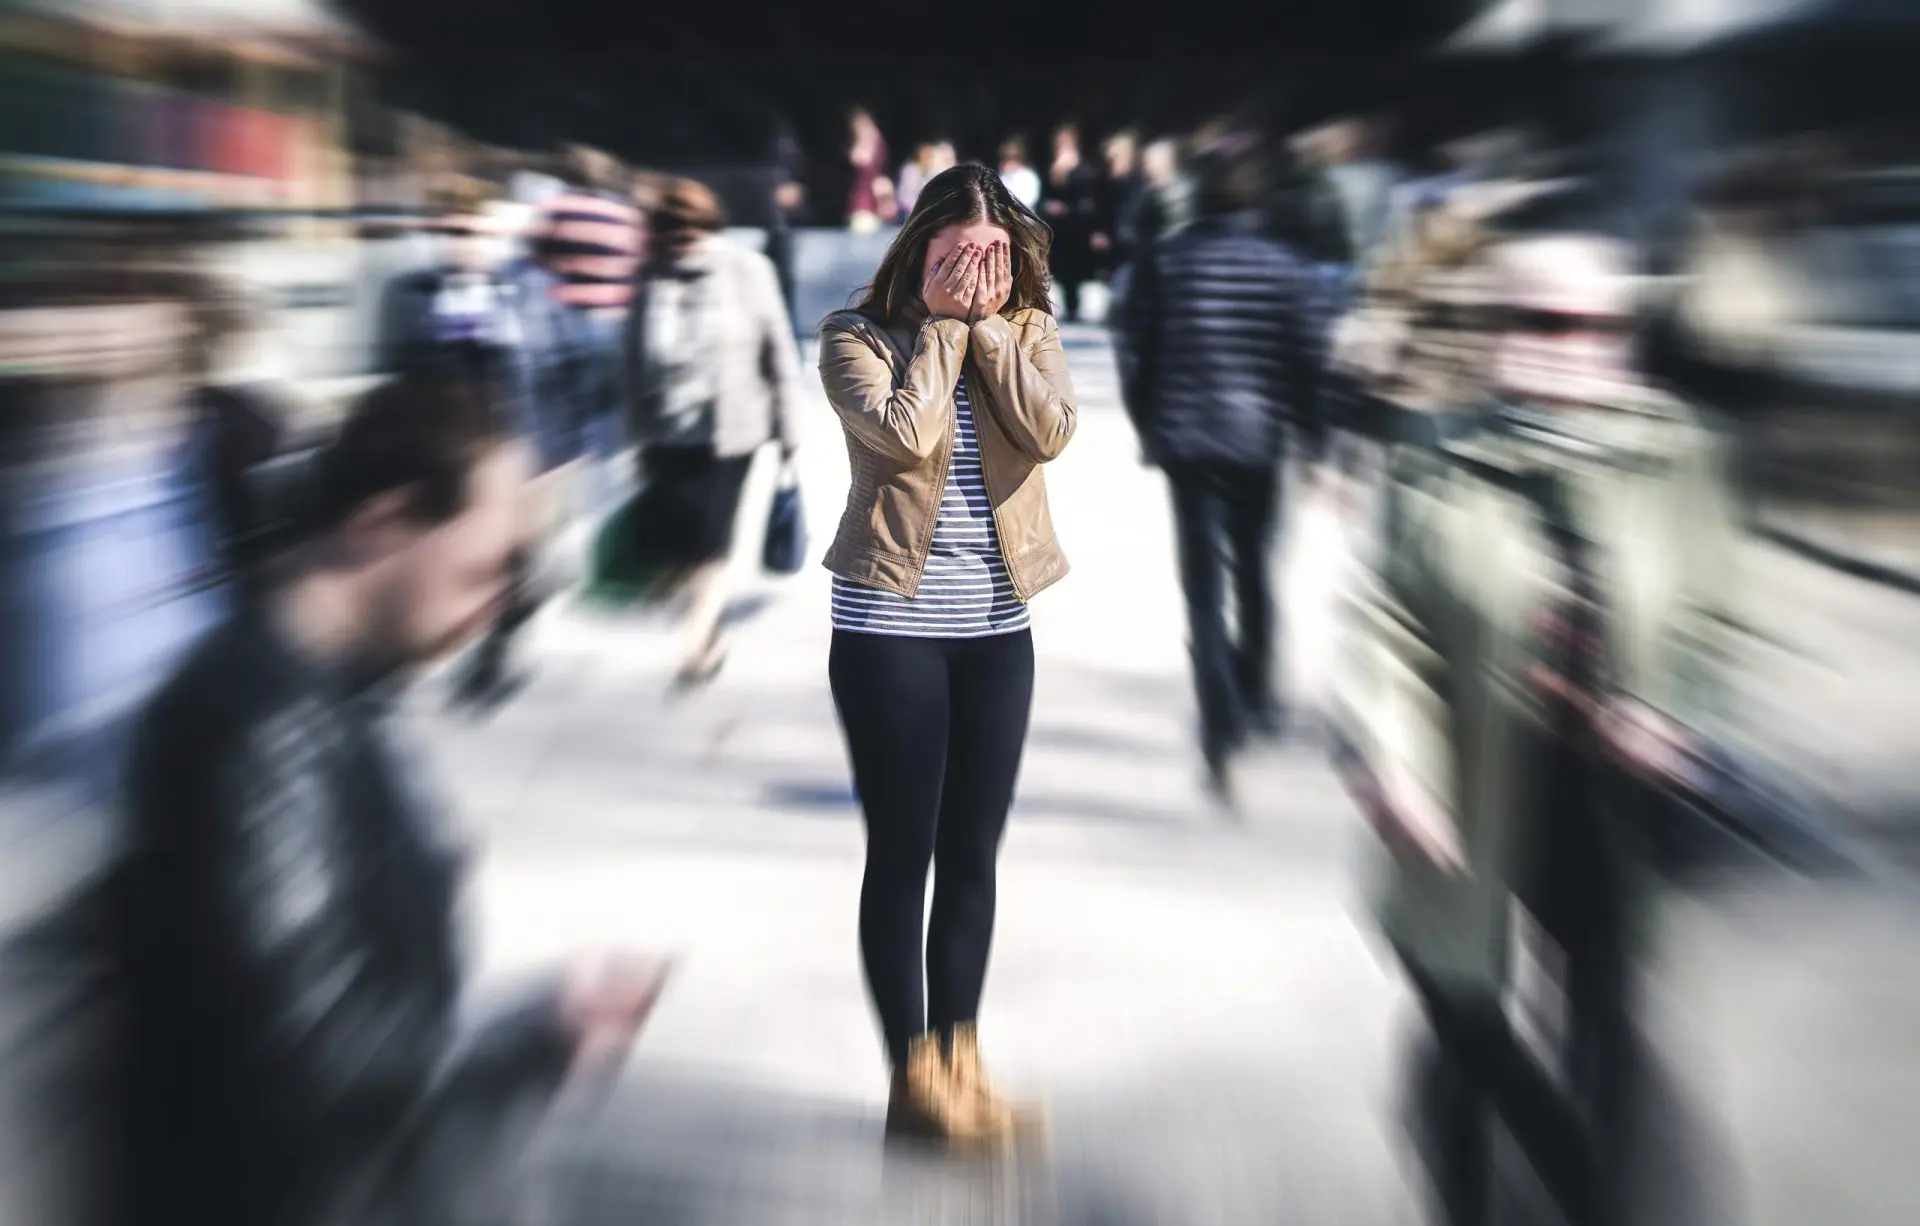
[934, 729]
[1576, 1130]
[1224, 517]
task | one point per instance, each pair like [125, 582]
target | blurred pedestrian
[1223, 357]
[714, 374]
[1070, 201]
[789, 204]
[454, 315]
[592, 238]
[1020, 178]
[951, 385]
[1114, 239]
[500, 322]
[1166, 205]
[241, 426]
[870, 199]
[1364, 178]
[284, 914]
[915, 173]
[1560, 556]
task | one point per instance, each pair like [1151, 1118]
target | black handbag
[784, 551]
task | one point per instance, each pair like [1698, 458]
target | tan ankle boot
[1022, 1119]
[925, 1104]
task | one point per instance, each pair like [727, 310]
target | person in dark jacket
[1222, 352]
[1070, 199]
[283, 916]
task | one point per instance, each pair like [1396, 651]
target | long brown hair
[959, 196]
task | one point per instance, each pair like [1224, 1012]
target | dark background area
[684, 88]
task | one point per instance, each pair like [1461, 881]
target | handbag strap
[788, 477]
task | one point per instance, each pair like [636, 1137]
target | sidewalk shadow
[745, 609]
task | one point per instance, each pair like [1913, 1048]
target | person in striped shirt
[591, 234]
[591, 238]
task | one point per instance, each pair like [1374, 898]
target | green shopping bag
[624, 571]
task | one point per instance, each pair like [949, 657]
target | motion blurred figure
[714, 374]
[1541, 659]
[1222, 354]
[1114, 240]
[1070, 199]
[240, 428]
[789, 203]
[285, 912]
[1020, 178]
[870, 199]
[591, 238]
[914, 174]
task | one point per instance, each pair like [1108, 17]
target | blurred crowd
[1546, 430]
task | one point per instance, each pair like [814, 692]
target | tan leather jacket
[892, 387]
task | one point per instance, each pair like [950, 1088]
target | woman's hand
[995, 284]
[949, 289]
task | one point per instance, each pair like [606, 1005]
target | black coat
[1222, 346]
[283, 922]
[1073, 209]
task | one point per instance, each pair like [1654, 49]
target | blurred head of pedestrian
[221, 319]
[968, 203]
[1228, 178]
[1569, 303]
[592, 170]
[418, 507]
[926, 156]
[1013, 153]
[1066, 145]
[1123, 154]
[687, 215]
[466, 233]
[944, 156]
[1160, 162]
[865, 132]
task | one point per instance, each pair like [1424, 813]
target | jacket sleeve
[342, 1038]
[1703, 642]
[1391, 692]
[1031, 397]
[1139, 340]
[1308, 324]
[779, 359]
[903, 423]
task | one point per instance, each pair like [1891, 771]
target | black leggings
[934, 730]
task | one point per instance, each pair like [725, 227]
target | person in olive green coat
[1544, 632]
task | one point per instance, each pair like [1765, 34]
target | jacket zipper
[993, 504]
[940, 492]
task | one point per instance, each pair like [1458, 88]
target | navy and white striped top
[965, 591]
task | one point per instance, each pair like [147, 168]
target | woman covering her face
[951, 387]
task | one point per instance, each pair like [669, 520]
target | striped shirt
[593, 243]
[965, 591]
